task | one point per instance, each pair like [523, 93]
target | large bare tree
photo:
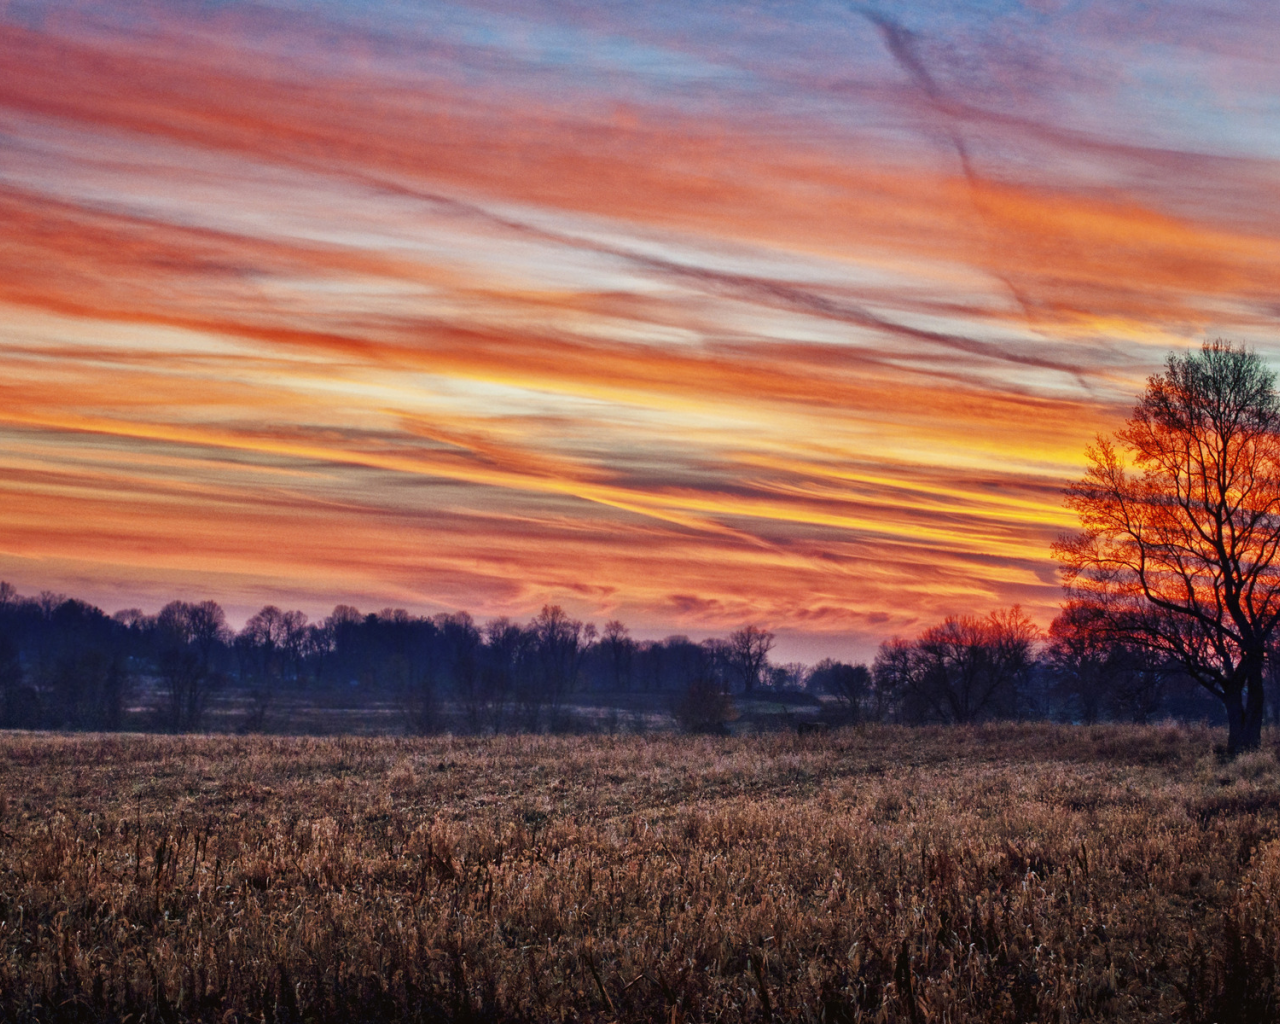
[1180, 526]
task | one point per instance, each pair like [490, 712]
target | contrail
[901, 43]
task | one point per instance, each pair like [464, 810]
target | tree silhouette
[1095, 674]
[189, 634]
[851, 685]
[616, 639]
[559, 644]
[965, 670]
[749, 649]
[1180, 527]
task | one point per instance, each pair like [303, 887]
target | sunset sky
[693, 314]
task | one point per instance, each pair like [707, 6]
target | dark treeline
[65, 664]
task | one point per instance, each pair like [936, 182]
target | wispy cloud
[687, 315]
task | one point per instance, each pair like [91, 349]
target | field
[1008, 873]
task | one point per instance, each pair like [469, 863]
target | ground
[1015, 873]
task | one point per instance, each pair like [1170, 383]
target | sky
[690, 314]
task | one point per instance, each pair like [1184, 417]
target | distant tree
[19, 703]
[458, 659]
[648, 665]
[206, 625]
[749, 649]
[1082, 662]
[711, 659]
[1096, 674]
[79, 668]
[787, 676]
[133, 619]
[19, 700]
[189, 635]
[668, 666]
[703, 705]
[1180, 527]
[559, 645]
[893, 666]
[340, 648]
[504, 659]
[262, 645]
[267, 627]
[88, 690]
[965, 670]
[851, 685]
[186, 688]
[294, 645]
[49, 602]
[619, 647]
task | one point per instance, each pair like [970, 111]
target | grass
[1008, 873]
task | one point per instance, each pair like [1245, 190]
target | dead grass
[1014, 873]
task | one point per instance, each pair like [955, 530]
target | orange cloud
[453, 340]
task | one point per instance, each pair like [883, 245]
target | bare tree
[965, 670]
[1095, 674]
[506, 649]
[189, 634]
[1181, 527]
[704, 704]
[207, 624]
[616, 640]
[749, 649]
[850, 684]
[263, 641]
[1081, 662]
[295, 641]
[559, 645]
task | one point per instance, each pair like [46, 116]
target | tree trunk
[1244, 716]
[1254, 710]
[1235, 720]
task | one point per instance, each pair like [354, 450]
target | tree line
[65, 664]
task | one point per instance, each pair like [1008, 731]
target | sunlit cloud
[693, 316]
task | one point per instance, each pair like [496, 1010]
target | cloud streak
[494, 307]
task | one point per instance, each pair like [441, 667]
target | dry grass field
[1009, 873]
